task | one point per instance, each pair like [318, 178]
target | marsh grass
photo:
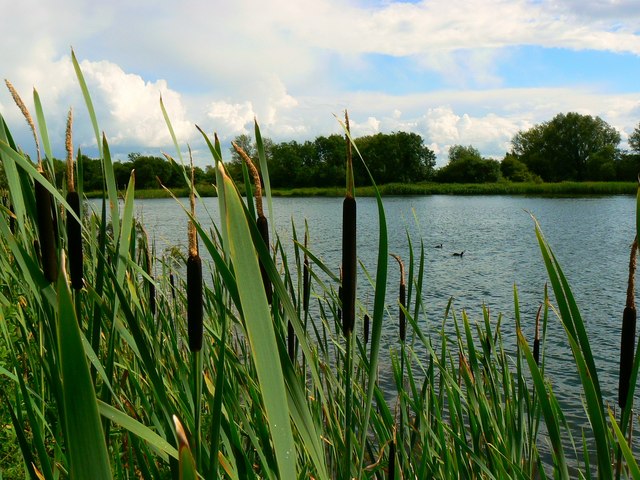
[457, 399]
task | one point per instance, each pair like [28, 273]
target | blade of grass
[262, 338]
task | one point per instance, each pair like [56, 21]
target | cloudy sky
[471, 72]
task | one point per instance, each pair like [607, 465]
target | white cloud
[292, 65]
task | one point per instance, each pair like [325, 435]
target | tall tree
[569, 147]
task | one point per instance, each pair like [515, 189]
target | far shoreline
[565, 189]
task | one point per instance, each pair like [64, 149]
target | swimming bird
[438, 246]
[456, 254]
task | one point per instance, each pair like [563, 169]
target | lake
[591, 238]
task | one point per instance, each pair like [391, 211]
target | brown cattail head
[291, 341]
[74, 242]
[536, 339]
[194, 302]
[263, 228]
[173, 286]
[348, 264]
[366, 328]
[628, 337]
[46, 233]
[402, 297]
[392, 459]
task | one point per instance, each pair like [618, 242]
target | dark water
[591, 238]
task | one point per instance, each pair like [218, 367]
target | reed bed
[108, 381]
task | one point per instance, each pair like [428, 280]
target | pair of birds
[455, 254]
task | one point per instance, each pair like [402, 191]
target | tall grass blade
[86, 447]
[262, 339]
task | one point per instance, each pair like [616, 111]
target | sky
[457, 72]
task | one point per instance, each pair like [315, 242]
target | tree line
[570, 146]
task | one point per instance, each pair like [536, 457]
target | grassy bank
[571, 189]
[244, 366]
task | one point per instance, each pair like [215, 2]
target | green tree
[634, 140]
[396, 157]
[569, 147]
[466, 165]
[516, 171]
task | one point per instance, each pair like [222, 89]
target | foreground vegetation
[266, 365]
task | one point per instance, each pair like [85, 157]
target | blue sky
[470, 72]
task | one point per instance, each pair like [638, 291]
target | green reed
[100, 381]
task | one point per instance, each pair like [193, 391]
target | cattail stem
[627, 340]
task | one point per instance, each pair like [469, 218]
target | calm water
[591, 238]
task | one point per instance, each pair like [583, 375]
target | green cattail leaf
[86, 447]
[171, 132]
[87, 100]
[7, 152]
[632, 464]
[11, 173]
[135, 427]
[44, 133]
[264, 170]
[112, 191]
[260, 332]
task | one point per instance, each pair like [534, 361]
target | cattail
[349, 252]
[628, 338]
[392, 459]
[74, 231]
[194, 281]
[44, 204]
[536, 340]
[402, 300]
[46, 234]
[173, 286]
[366, 328]
[261, 221]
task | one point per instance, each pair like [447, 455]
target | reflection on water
[591, 238]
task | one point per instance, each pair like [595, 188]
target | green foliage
[516, 171]
[569, 147]
[634, 139]
[466, 165]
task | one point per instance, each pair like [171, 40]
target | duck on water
[456, 254]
